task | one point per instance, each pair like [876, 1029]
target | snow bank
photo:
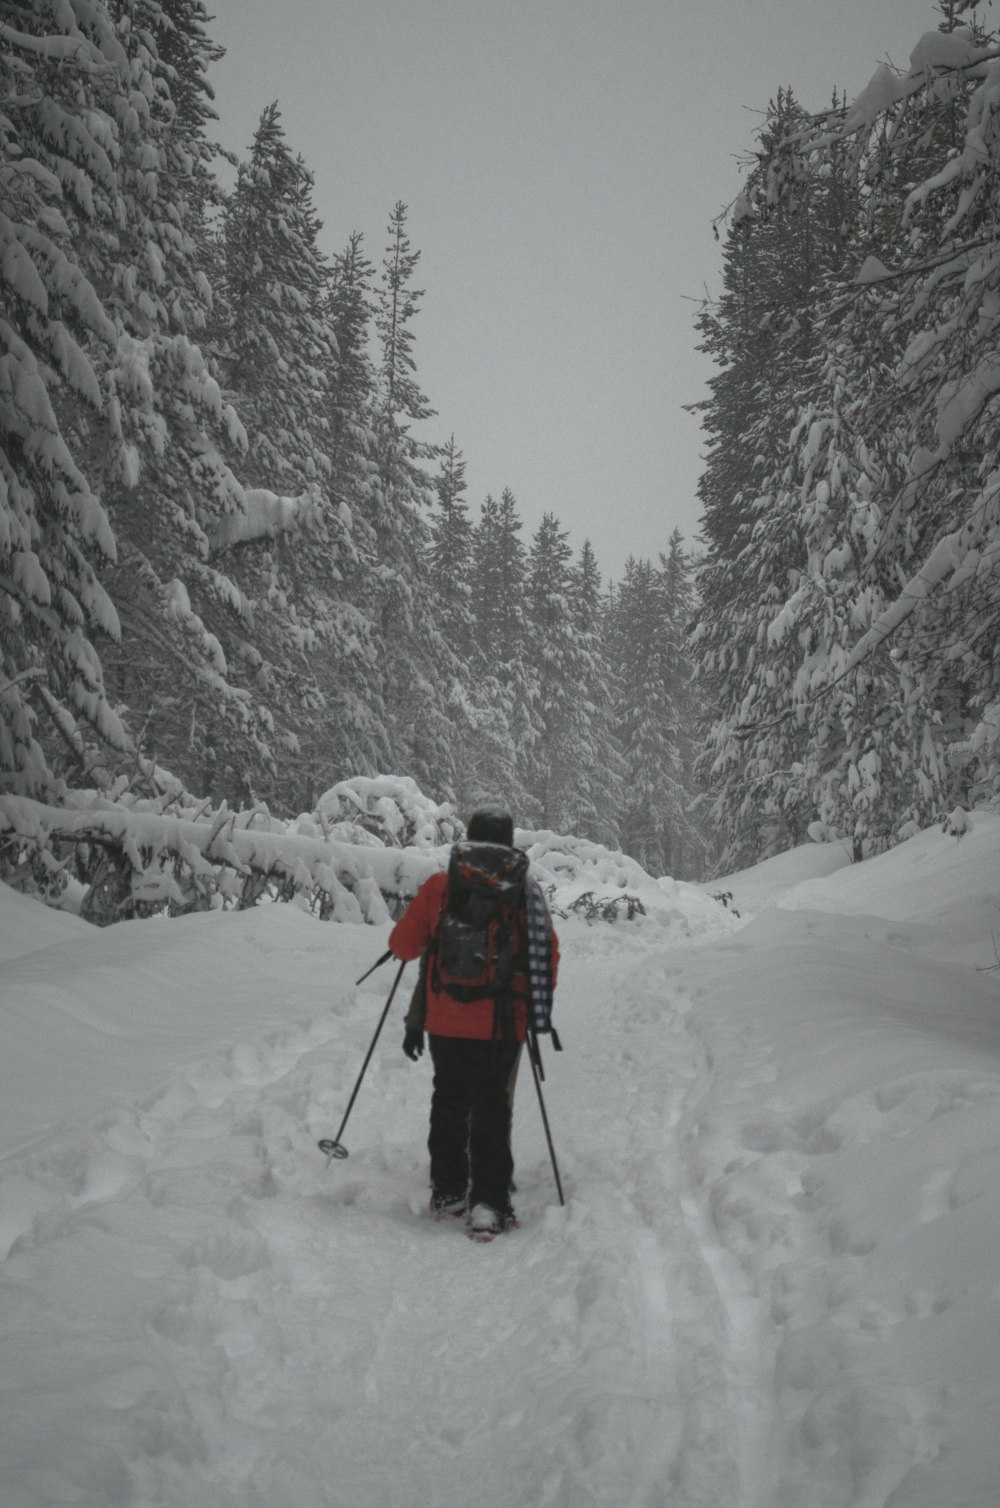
[25, 926]
[947, 885]
[766, 884]
[844, 1147]
[388, 809]
[92, 1016]
[363, 852]
[588, 879]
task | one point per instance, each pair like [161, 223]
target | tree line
[228, 550]
[847, 645]
[226, 547]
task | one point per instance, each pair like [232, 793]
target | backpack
[472, 952]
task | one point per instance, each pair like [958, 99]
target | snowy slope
[773, 1285]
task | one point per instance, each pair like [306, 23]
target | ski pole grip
[556, 1044]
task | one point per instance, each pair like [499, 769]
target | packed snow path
[225, 1321]
[773, 1284]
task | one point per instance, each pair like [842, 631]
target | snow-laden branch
[363, 853]
[218, 857]
[265, 516]
[946, 558]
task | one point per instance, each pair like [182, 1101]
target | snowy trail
[774, 1281]
[255, 1330]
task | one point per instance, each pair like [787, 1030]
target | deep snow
[774, 1284]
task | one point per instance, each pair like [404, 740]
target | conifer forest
[233, 563]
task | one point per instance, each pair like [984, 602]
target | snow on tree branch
[266, 516]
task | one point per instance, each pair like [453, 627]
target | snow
[872, 270]
[886, 87]
[937, 49]
[882, 91]
[265, 516]
[773, 1284]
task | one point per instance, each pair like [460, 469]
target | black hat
[491, 824]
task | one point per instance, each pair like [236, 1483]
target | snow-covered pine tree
[64, 93]
[280, 351]
[686, 846]
[779, 264]
[280, 364]
[415, 688]
[922, 151]
[560, 667]
[162, 458]
[649, 718]
[501, 682]
[449, 556]
[351, 682]
[477, 730]
[599, 789]
[353, 388]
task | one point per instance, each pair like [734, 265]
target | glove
[413, 1045]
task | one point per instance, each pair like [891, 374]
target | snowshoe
[486, 1223]
[445, 1205]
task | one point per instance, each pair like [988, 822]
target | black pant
[470, 1119]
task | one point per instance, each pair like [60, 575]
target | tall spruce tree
[449, 556]
[164, 460]
[873, 665]
[559, 666]
[599, 784]
[779, 265]
[64, 90]
[501, 678]
[280, 362]
[418, 670]
[651, 711]
[686, 845]
[351, 682]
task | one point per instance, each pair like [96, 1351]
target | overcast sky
[562, 161]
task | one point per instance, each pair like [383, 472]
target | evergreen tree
[352, 389]
[501, 680]
[352, 685]
[280, 348]
[449, 559]
[685, 848]
[280, 362]
[417, 671]
[780, 264]
[164, 459]
[872, 665]
[64, 88]
[599, 783]
[654, 712]
[560, 669]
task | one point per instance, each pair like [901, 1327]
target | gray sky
[562, 161]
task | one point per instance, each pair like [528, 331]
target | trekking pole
[376, 965]
[335, 1148]
[538, 1073]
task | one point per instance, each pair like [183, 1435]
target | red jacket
[447, 1017]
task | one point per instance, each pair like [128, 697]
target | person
[475, 1043]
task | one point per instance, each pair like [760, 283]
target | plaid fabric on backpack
[472, 955]
[539, 960]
